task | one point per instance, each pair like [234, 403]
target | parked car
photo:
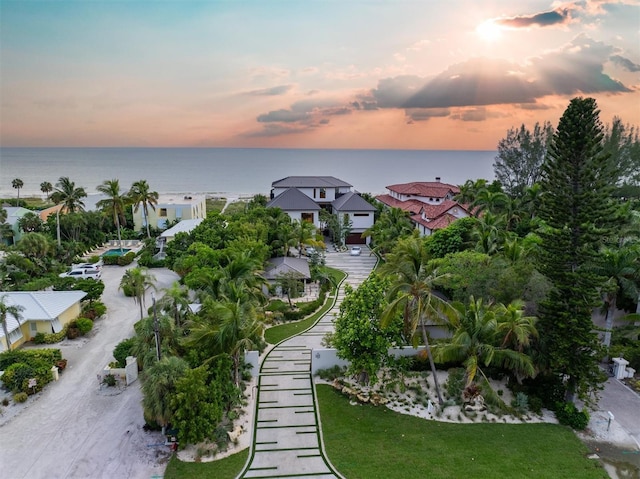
[82, 274]
[95, 266]
[355, 251]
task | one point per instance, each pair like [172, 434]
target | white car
[355, 251]
[82, 274]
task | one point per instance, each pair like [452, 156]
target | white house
[321, 189]
[351, 207]
[171, 207]
[297, 205]
[302, 198]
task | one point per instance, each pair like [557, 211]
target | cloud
[543, 19]
[474, 114]
[286, 116]
[273, 91]
[424, 114]
[625, 63]
[274, 130]
[577, 68]
[533, 106]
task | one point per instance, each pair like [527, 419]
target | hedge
[48, 355]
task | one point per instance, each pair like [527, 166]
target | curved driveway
[287, 439]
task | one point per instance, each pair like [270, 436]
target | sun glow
[489, 31]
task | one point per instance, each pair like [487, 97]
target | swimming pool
[116, 252]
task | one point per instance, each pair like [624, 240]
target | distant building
[169, 209]
[431, 204]
[14, 213]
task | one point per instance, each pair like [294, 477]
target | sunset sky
[390, 74]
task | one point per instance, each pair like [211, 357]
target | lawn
[284, 331]
[374, 442]
[215, 205]
[229, 467]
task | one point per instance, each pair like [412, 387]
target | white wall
[327, 358]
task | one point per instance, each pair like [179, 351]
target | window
[345, 218]
[323, 193]
[178, 213]
[15, 335]
[162, 213]
[33, 328]
[314, 193]
[361, 214]
[308, 217]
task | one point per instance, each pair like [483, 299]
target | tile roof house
[431, 204]
[44, 312]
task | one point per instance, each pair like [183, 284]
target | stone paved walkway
[287, 441]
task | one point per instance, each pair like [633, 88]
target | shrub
[122, 350]
[72, 330]
[20, 397]
[126, 259]
[84, 325]
[520, 403]
[568, 415]
[535, 404]
[332, 373]
[56, 337]
[39, 338]
[16, 377]
[109, 380]
[455, 384]
[48, 355]
[5, 402]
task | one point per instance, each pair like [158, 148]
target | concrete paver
[287, 440]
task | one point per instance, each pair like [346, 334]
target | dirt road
[75, 429]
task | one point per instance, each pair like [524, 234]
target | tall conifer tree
[579, 213]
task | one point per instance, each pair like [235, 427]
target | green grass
[215, 205]
[236, 207]
[374, 442]
[227, 468]
[284, 331]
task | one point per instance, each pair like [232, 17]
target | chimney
[438, 179]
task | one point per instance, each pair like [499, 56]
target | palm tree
[412, 292]
[46, 187]
[393, 224]
[140, 195]
[158, 387]
[516, 329]
[621, 269]
[17, 183]
[137, 281]
[304, 235]
[68, 195]
[114, 204]
[225, 327]
[175, 302]
[13, 310]
[480, 339]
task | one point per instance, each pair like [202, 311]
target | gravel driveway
[75, 429]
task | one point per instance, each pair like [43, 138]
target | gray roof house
[286, 265]
[302, 197]
[297, 205]
[43, 312]
[357, 211]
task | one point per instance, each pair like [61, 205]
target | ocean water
[235, 170]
